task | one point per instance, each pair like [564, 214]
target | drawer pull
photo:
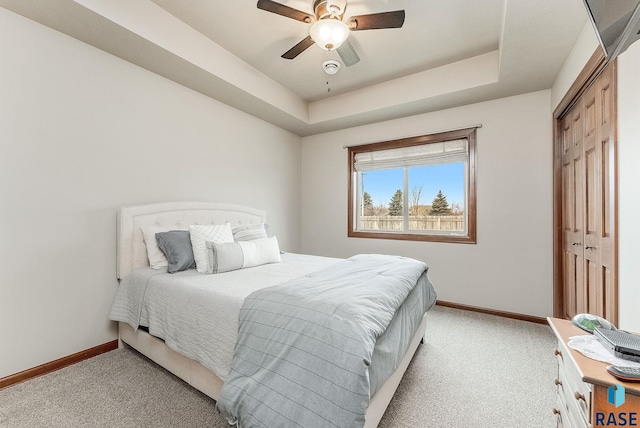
[556, 411]
[579, 396]
[558, 382]
[556, 352]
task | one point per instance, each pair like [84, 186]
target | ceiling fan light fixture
[329, 33]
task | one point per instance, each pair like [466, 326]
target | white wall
[82, 133]
[510, 268]
[628, 181]
[583, 48]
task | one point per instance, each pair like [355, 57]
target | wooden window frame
[464, 238]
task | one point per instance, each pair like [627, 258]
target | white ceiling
[447, 53]
[435, 33]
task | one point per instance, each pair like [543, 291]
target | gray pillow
[176, 246]
[224, 257]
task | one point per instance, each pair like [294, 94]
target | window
[420, 188]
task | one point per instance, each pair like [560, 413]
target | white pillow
[200, 234]
[260, 252]
[157, 259]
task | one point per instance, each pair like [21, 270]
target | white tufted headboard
[131, 249]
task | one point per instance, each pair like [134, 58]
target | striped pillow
[249, 233]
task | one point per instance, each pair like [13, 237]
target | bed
[194, 366]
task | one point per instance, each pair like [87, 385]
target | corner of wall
[582, 50]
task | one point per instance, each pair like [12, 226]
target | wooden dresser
[583, 387]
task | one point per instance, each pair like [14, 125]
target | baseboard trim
[57, 364]
[504, 314]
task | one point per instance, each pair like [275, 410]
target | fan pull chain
[328, 57]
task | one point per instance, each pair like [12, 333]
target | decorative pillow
[260, 251]
[176, 246]
[243, 254]
[157, 259]
[200, 234]
[248, 233]
[224, 257]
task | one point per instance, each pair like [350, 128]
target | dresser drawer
[562, 413]
[574, 411]
[575, 392]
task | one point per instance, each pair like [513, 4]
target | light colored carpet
[473, 370]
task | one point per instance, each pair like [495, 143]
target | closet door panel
[607, 216]
[569, 264]
[591, 206]
[610, 297]
[573, 217]
[592, 286]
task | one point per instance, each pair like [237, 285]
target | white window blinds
[425, 154]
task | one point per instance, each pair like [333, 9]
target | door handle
[589, 247]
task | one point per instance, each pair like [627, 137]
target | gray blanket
[304, 347]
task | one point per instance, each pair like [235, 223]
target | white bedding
[183, 318]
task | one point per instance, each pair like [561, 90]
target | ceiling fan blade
[377, 21]
[348, 54]
[299, 48]
[280, 9]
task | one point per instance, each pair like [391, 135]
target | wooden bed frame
[132, 254]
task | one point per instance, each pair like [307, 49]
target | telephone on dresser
[620, 343]
[589, 322]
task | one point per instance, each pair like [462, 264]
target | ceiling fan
[328, 30]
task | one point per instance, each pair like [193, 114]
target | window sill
[430, 237]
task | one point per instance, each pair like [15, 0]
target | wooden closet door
[589, 201]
